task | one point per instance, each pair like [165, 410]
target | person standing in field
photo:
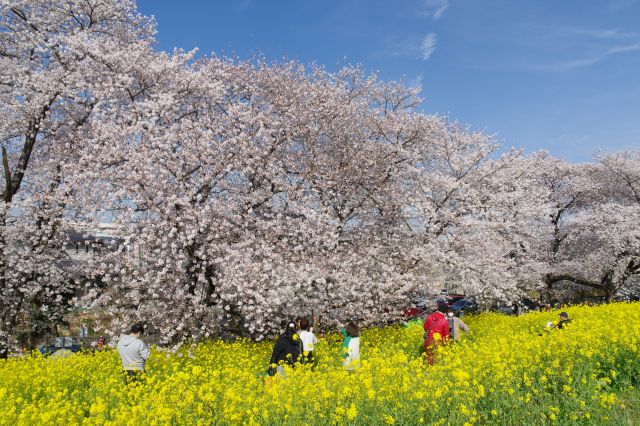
[287, 350]
[351, 347]
[436, 332]
[102, 341]
[308, 339]
[133, 352]
[456, 326]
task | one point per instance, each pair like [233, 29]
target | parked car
[421, 306]
[530, 304]
[464, 306]
[504, 309]
[453, 298]
[414, 312]
[518, 308]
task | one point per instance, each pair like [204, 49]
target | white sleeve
[354, 349]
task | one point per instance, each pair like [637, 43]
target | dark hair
[442, 308]
[137, 328]
[352, 330]
[304, 324]
[290, 330]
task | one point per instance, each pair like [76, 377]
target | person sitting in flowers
[564, 320]
[351, 346]
[436, 332]
[286, 351]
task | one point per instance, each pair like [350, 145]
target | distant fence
[89, 342]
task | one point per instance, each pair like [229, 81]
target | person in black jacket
[287, 350]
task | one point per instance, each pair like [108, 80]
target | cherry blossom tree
[609, 226]
[55, 59]
[246, 192]
[251, 192]
[583, 233]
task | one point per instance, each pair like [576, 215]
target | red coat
[436, 323]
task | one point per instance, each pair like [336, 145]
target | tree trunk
[607, 286]
[4, 350]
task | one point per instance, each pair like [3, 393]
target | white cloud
[414, 46]
[435, 8]
[243, 5]
[564, 48]
[591, 59]
[602, 34]
[416, 81]
[428, 45]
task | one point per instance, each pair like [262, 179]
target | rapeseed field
[509, 370]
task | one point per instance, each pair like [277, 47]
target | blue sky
[560, 75]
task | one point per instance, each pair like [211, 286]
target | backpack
[438, 326]
[451, 323]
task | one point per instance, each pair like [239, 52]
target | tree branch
[6, 196]
[555, 278]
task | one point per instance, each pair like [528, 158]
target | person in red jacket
[436, 332]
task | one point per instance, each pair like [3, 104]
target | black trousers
[309, 359]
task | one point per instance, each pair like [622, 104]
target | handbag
[271, 371]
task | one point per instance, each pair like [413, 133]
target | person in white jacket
[351, 347]
[309, 340]
[133, 351]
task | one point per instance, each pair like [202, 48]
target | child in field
[351, 347]
[308, 339]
